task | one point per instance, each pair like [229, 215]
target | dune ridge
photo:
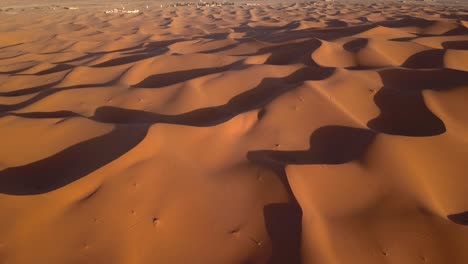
[312, 132]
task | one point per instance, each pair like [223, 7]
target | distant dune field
[258, 132]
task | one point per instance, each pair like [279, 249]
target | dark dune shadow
[262, 30]
[407, 21]
[13, 56]
[12, 45]
[154, 47]
[362, 68]
[83, 158]
[363, 19]
[290, 53]
[284, 225]
[458, 31]
[427, 59]
[56, 68]
[336, 23]
[17, 70]
[257, 97]
[94, 55]
[46, 90]
[355, 45]
[123, 60]
[227, 47]
[199, 117]
[454, 16]
[457, 45]
[327, 34]
[309, 74]
[215, 36]
[328, 145]
[166, 79]
[224, 48]
[84, 57]
[404, 39]
[56, 114]
[43, 92]
[460, 218]
[138, 46]
[402, 107]
[129, 55]
[161, 47]
[30, 90]
[404, 113]
[70, 164]
[435, 79]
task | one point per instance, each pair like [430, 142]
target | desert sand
[259, 132]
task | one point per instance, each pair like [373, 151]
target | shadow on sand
[328, 145]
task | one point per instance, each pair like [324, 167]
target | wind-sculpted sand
[322, 132]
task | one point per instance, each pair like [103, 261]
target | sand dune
[319, 132]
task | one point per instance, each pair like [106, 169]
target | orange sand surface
[320, 132]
